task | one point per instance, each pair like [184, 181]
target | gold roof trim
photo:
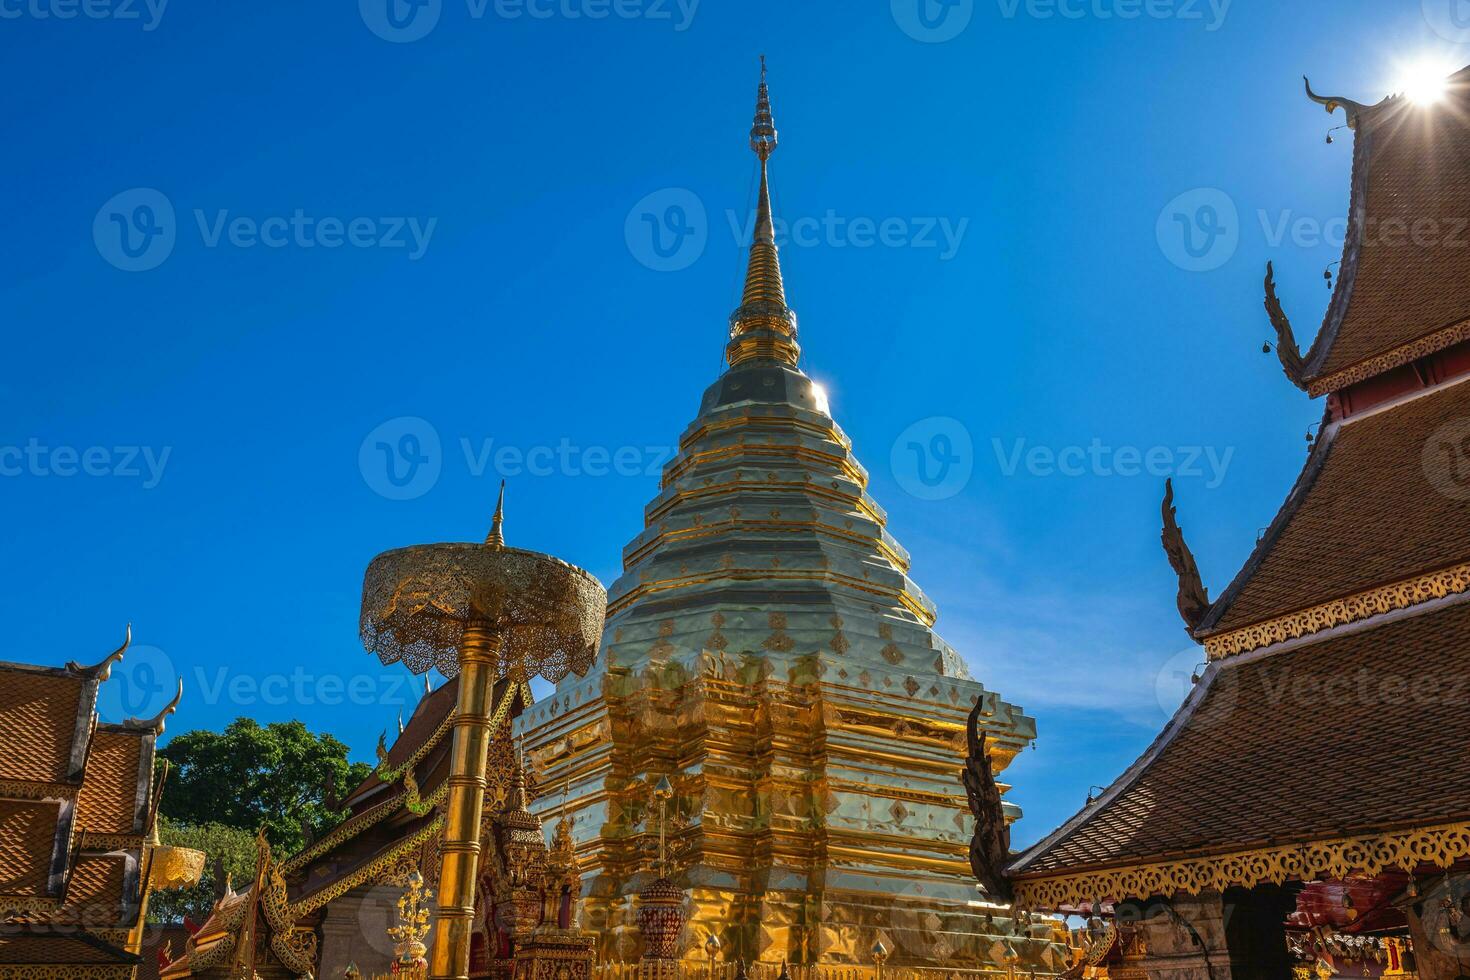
[1431, 343]
[345, 831]
[20, 789]
[1441, 845]
[1340, 612]
[370, 872]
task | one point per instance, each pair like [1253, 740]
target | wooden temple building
[79, 850]
[1308, 807]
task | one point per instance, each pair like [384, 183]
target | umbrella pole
[459, 870]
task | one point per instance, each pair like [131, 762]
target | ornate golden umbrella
[482, 611]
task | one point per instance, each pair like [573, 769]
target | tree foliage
[279, 776]
[228, 849]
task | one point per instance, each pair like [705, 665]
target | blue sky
[370, 226]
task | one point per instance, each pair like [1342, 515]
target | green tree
[229, 850]
[280, 776]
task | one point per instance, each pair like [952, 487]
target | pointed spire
[496, 537]
[764, 326]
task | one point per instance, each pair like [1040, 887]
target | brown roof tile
[27, 845]
[108, 802]
[1352, 734]
[38, 944]
[40, 712]
[95, 893]
[1369, 510]
[1411, 164]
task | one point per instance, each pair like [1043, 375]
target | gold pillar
[479, 656]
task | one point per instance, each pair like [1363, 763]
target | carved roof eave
[1131, 775]
[1316, 460]
[1406, 848]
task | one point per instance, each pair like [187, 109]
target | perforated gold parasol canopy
[416, 602]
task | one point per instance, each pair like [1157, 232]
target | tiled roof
[68, 948]
[109, 801]
[427, 717]
[27, 846]
[1409, 274]
[95, 892]
[1356, 733]
[1370, 508]
[40, 710]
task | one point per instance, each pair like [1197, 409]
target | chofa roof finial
[1333, 102]
[1193, 599]
[103, 670]
[156, 723]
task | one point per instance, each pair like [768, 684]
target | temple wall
[355, 930]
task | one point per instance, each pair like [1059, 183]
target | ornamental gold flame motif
[412, 928]
[480, 611]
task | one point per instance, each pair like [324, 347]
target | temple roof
[1404, 286]
[48, 714]
[82, 798]
[45, 946]
[1369, 509]
[1316, 740]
